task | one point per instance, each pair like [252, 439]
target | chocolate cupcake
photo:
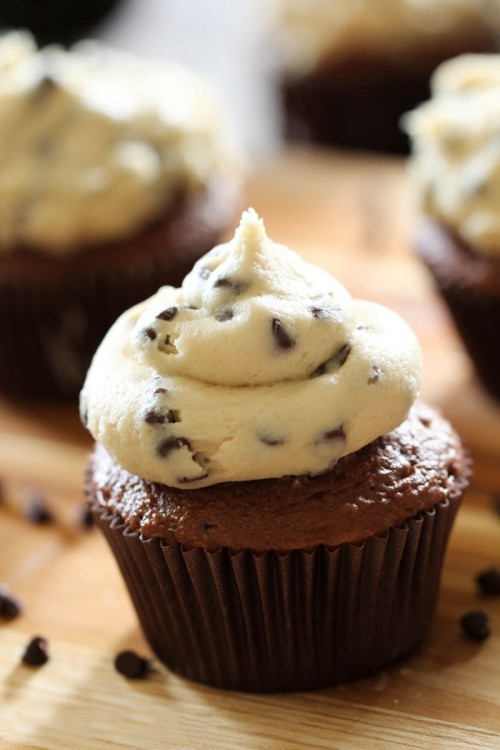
[456, 171]
[117, 174]
[278, 508]
[351, 71]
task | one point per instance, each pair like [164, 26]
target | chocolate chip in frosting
[150, 333]
[337, 433]
[237, 287]
[188, 480]
[159, 391]
[154, 417]
[168, 314]
[341, 357]
[338, 360]
[272, 441]
[283, 339]
[224, 314]
[170, 444]
[324, 312]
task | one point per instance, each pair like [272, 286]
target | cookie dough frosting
[94, 143]
[259, 366]
[456, 143]
[326, 29]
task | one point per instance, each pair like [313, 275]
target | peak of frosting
[95, 143]
[456, 144]
[259, 365]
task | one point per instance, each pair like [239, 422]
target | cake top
[456, 145]
[261, 365]
[317, 30]
[95, 143]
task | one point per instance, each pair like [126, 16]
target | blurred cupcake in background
[352, 67]
[456, 171]
[117, 174]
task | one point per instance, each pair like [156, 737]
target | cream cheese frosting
[315, 30]
[456, 144]
[95, 143]
[261, 365]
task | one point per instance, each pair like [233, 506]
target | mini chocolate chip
[171, 444]
[36, 652]
[271, 440]
[489, 581]
[188, 480]
[475, 625]
[223, 281]
[10, 606]
[319, 370]
[363, 328]
[150, 333]
[36, 511]
[173, 415]
[204, 272]
[342, 354]
[153, 417]
[84, 517]
[159, 390]
[336, 434]
[224, 314]
[237, 287]
[283, 338]
[328, 311]
[131, 665]
[168, 314]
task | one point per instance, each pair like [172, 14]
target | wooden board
[352, 216]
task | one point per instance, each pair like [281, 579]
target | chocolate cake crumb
[150, 333]
[131, 665]
[154, 417]
[171, 444]
[168, 314]
[10, 605]
[475, 625]
[84, 517]
[37, 512]
[282, 337]
[489, 581]
[224, 314]
[36, 652]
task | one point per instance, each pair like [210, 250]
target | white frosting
[260, 365]
[94, 144]
[456, 142]
[329, 29]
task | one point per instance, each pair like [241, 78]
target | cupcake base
[357, 102]
[54, 312]
[282, 622]
[470, 285]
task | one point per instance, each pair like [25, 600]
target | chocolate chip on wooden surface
[84, 517]
[36, 652]
[168, 314]
[283, 339]
[475, 625]
[131, 665]
[488, 581]
[10, 605]
[37, 512]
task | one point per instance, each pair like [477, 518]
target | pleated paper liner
[53, 317]
[279, 622]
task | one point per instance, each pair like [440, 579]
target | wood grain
[352, 216]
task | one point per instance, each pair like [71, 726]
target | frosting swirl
[456, 145]
[95, 143]
[260, 365]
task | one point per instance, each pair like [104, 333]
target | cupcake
[351, 70]
[456, 174]
[277, 503]
[117, 174]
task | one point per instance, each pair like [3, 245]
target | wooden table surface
[352, 216]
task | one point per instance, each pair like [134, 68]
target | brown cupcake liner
[53, 315]
[279, 622]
